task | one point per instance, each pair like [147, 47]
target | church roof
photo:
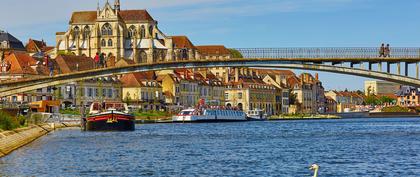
[84, 17]
[213, 50]
[182, 42]
[14, 42]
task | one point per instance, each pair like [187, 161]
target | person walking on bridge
[382, 51]
[96, 59]
[387, 51]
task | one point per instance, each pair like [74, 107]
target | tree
[386, 99]
[372, 100]
[235, 53]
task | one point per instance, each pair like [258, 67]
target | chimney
[317, 76]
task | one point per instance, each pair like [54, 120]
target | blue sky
[245, 23]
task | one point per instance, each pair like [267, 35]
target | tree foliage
[235, 53]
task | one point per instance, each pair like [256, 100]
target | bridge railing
[351, 52]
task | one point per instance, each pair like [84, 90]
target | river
[350, 147]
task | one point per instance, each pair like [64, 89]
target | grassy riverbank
[8, 122]
[152, 115]
[303, 117]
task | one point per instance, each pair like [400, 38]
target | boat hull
[110, 122]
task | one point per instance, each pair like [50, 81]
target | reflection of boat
[209, 115]
[256, 114]
[109, 117]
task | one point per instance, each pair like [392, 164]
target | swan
[315, 168]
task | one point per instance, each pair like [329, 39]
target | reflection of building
[408, 96]
[143, 91]
[380, 88]
[130, 34]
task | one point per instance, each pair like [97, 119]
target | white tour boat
[256, 114]
[209, 115]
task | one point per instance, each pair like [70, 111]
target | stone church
[123, 34]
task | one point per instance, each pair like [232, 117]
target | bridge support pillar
[399, 68]
[388, 67]
[417, 70]
[370, 66]
[406, 69]
[380, 66]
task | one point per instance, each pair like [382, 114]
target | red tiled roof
[126, 15]
[135, 79]
[35, 45]
[68, 63]
[136, 15]
[182, 42]
[22, 63]
[213, 50]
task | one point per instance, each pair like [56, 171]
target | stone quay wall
[14, 139]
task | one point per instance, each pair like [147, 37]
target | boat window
[186, 113]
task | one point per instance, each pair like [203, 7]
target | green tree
[386, 99]
[235, 53]
[372, 100]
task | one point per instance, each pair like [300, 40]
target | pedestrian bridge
[333, 60]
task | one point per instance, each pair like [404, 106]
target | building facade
[381, 88]
[129, 34]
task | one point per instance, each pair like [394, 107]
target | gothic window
[109, 43]
[76, 32]
[86, 32]
[106, 30]
[151, 30]
[103, 43]
[142, 57]
[184, 54]
[143, 32]
[132, 32]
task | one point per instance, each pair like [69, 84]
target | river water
[351, 147]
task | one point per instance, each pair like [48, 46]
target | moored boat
[209, 115]
[109, 117]
[256, 115]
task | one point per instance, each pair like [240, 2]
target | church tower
[117, 6]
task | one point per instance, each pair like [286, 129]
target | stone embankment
[14, 139]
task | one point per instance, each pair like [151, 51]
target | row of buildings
[128, 37]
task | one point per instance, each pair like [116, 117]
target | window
[226, 95]
[240, 95]
[110, 93]
[110, 43]
[76, 32]
[103, 92]
[90, 92]
[86, 32]
[96, 92]
[132, 32]
[151, 30]
[103, 43]
[143, 32]
[106, 30]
